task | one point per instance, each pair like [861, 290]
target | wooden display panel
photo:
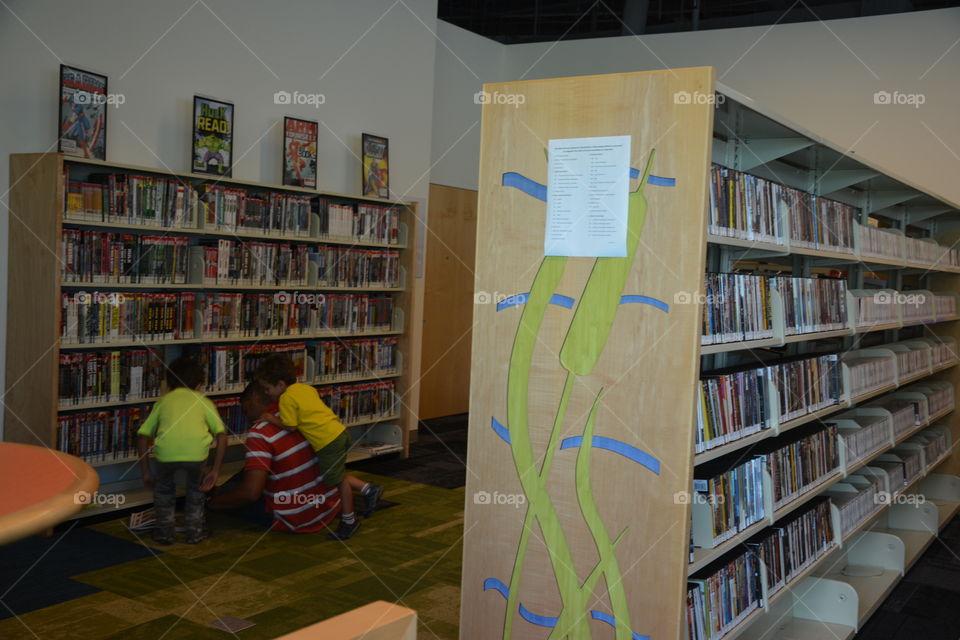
[448, 302]
[541, 542]
[33, 299]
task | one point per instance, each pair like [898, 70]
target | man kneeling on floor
[281, 469]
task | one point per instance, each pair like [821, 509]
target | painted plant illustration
[584, 342]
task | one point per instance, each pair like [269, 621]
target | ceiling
[517, 21]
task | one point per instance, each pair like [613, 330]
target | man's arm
[249, 490]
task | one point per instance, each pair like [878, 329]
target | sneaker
[345, 530]
[162, 537]
[371, 500]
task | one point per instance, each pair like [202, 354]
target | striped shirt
[294, 493]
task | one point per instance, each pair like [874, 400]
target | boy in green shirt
[181, 426]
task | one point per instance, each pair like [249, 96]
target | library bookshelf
[40, 220]
[611, 540]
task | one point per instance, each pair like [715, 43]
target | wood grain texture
[33, 299]
[647, 372]
[448, 302]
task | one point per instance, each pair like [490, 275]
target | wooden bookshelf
[822, 600]
[37, 203]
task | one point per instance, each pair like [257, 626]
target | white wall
[464, 60]
[822, 76]
[373, 60]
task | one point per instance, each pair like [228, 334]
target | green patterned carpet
[409, 554]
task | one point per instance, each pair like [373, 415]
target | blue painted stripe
[539, 191]
[528, 186]
[500, 430]
[659, 304]
[624, 449]
[506, 303]
[661, 182]
[543, 621]
[521, 298]
[496, 585]
[492, 584]
[606, 617]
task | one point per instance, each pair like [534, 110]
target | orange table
[39, 488]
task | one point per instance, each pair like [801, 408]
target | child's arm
[211, 478]
[143, 449]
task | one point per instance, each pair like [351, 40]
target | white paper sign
[588, 181]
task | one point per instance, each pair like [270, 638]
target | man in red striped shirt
[282, 468]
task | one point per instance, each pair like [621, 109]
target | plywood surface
[646, 371]
[448, 302]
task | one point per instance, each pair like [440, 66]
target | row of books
[104, 318]
[360, 402]
[354, 357]
[132, 199]
[796, 467]
[364, 221]
[827, 225]
[736, 404]
[150, 201]
[732, 406]
[348, 267]
[863, 435]
[109, 376]
[752, 208]
[111, 434]
[807, 385]
[748, 207]
[812, 304]
[794, 543]
[868, 373]
[723, 597]
[736, 307]
[857, 498]
[905, 415]
[877, 242]
[253, 263]
[945, 306]
[231, 315]
[94, 256]
[735, 496]
[125, 316]
[228, 208]
[230, 367]
[934, 441]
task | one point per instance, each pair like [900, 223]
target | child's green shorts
[333, 459]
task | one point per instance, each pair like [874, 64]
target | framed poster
[82, 126]
[299, 152]
[376, 166]
[212, 137]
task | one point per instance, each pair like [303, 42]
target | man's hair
[184, 372]
[253, 391]
[277, 367]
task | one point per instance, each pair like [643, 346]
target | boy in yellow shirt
[302, 409]
[181, 427]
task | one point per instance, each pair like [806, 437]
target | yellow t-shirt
[301, 406]
[182, 423]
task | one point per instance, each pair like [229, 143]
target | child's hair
[184, 372]
[275, 368]
[253, 391]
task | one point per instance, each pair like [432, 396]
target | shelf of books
[817, 340]
[130, 267]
